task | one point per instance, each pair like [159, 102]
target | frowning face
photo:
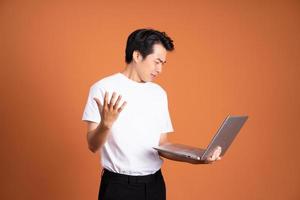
[151, 66]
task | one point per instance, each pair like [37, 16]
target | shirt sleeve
[91, 110]
[166, 125]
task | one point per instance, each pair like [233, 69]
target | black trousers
[116, 186]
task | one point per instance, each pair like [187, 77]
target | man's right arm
[96, 135]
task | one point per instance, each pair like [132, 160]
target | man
[125, 126]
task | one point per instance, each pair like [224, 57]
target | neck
[131, 72]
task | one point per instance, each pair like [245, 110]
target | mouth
[153, 76]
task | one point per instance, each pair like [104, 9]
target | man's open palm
[110, 110]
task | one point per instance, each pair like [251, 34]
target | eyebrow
[161, 60]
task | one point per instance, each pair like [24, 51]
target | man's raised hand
[110, 110]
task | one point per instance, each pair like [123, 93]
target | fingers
[217, 152]
[208, 161]
[113, 104]
[112, 100]
[117, 102]
[106, 100]
[122, 106]
[210, 158]
[215, 155]
[98, 103]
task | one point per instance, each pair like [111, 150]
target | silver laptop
[223, 138]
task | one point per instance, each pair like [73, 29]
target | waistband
[106, 174]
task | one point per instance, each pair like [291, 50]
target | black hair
[142, 40]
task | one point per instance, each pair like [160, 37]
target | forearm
[97, 137]
[181, 158]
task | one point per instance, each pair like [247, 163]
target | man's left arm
[164, 140]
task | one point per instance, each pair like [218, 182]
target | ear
[136, 56]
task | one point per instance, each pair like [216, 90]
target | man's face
[151, 66]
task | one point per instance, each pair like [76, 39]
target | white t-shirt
[128, 149]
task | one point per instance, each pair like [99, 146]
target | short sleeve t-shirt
[129, 145]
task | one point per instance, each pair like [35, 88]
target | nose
[159, 68]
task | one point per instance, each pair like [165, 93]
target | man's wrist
[104, 126]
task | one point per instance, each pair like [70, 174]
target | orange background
[231, 58]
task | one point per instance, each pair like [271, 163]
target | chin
[146, 80]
